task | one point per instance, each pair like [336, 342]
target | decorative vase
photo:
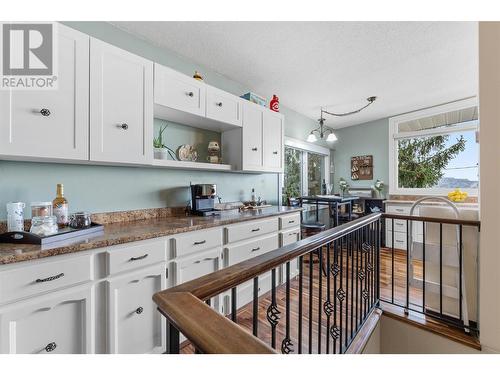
[274, 105]
[161, 153]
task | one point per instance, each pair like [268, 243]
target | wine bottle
[60, 205]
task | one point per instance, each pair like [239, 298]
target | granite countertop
[129, 231]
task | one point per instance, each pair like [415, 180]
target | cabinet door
[223, 107]
[121, 105]
[62, 130]
[178, 91]
[273, 141]
[135, 325]
[252, 136]
[60, 323]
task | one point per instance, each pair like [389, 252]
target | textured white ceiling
[408, 65]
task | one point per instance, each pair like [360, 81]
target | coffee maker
[203, 199]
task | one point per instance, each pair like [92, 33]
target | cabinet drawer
[222, 106]
[188, 243]
[398, 209]
[44, 277]
[238, 253]
[178, 91]
[290, 236]
[195, 266]
[289, 221]
[144, 253]
[251, 229]
[399, 240]
[399, 225]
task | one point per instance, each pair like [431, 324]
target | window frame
[306, 147]
[394, 137]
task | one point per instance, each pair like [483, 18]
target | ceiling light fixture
[324, 131]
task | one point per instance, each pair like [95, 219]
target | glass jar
[41, 209]
[79, 220]
[15, 216]
[44, 225]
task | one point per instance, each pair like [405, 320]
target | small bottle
[60, 205]
[253, 196]
[323, 187]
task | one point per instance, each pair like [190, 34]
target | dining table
[334, 202]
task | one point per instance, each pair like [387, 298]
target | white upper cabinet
[121, 105]
[222, 106]
[252, 137]
[52, 123]
[178, 91]
[272, 140]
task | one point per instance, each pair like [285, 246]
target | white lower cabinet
[60, 323]
[134, 324]
[286, 238]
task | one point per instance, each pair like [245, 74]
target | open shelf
[191, 165]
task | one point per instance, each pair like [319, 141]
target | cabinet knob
[45, 112]
[123, 126]
[190, 94]
[219, 104]
[139, 310]
[51, 347]
[275, 152]
[254, 149]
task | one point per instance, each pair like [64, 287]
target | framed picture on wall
[362, 167]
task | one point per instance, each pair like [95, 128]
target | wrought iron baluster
[273, 314]
[441, 269]
[407, 304]
[346, 336]
[423, 267]
[340, 291]
[392, 260]
[172, 339]
[351, 247]
[255, 309]
[334, 331]
[460, 266]
[310, 299]
[357, 236]
[328, 307]
[366, 249]
[377, 250]
[234, 311]
[286, 345]
[301, 267]
[320, 292]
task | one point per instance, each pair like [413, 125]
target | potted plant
[344, 186]
[377, 188]
[160, 150]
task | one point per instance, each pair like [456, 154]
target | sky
[469, 157]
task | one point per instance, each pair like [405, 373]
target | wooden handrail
[473, 223]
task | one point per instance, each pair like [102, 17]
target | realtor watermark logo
[28, 60]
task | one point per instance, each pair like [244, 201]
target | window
[435, 150]
[305, 169]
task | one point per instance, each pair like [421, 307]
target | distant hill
[453, 183]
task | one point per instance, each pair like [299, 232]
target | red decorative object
[275, 104]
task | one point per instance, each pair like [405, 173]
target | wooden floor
[319, 340]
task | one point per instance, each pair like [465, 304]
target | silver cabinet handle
[51, 347]
[199, 242]
[45, 112]
[255, 230]
[122, 126]
[400, 210]
[138, 258]
[254, 149]
[219, 104]
[291, 221]
[190, 94]
[50, 278]
[399, 241]
[275, 152]
[256, 249]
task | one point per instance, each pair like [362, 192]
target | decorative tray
[63, 234]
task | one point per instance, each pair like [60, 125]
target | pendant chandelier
[323, 131]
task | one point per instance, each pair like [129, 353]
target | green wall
[370, 138]
[114, 188]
